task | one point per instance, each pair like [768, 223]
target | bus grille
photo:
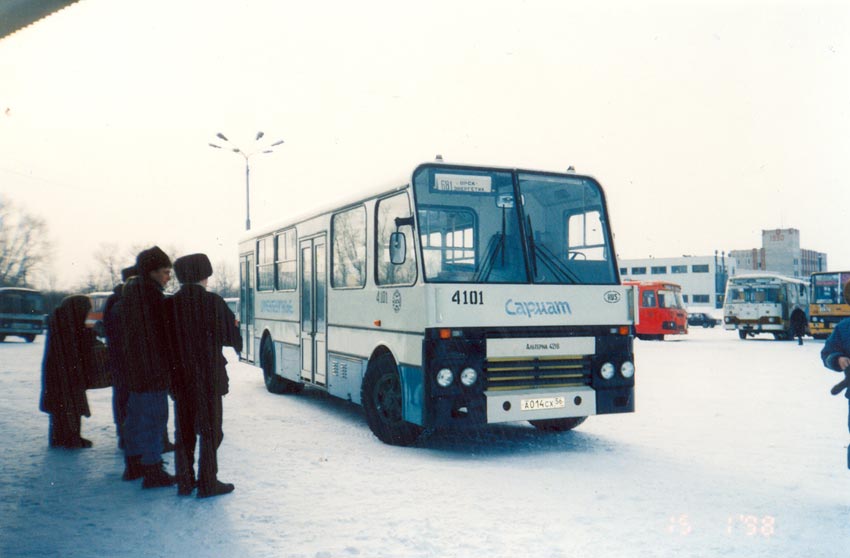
[543, 372]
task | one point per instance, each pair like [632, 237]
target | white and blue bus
[766, 303]
[466, 295]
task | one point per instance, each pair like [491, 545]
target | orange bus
[660, 309]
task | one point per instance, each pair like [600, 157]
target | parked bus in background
[466, 295]
[827, 306]
[94, 319]
[661, 310]
[21, 313]
[766, 303]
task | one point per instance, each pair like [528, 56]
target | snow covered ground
[736, 449]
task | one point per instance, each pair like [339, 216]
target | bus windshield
[828, 287]
[14, 301]
[495, 226]
[670, 299]
[753, 294]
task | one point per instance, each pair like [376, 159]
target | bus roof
[767, 276]
[18, 289]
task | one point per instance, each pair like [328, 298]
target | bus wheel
[742, 334]
[2, 338]
[29, 338]
[557, 425]
[382, 399]
[275, 383]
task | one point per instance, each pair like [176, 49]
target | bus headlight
[445, 377]
[468, 376]
[607, 371]
[627, 369]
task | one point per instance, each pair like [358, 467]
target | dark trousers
[64, 430]
[120, 396]
[188, 427]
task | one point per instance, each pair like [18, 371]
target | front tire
[29, 338]
[382, 400]
[557, 425]
[274, 383]
[742, 334]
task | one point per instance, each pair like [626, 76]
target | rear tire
[742, 334]
[382, 399]
[557, 425]
[274, 383]
[29, 338]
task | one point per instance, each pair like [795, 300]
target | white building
[702, 278]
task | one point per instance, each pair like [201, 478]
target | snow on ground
[736, 449]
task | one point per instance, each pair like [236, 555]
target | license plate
[542, 403]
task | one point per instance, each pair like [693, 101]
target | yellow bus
[828, 306]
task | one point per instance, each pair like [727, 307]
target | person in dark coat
[202, 325]
[836, 355]
[146, 349]
[68, 357]
[115, 354]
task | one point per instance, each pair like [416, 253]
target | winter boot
[218, 489]
[186, 486]
[132, 468]
[155, 476]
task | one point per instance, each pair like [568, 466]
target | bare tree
[23, 244]
[110, 264]
[223, 280]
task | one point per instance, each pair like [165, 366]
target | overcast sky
[705, 122]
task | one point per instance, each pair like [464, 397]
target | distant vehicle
[827, 306]
[701, 319]
[233, 304]
[766, 303]
[21, 313]
[661, 310]
[94, 319]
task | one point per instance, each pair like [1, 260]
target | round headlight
[607, 370]
[445, 377]
[468, 376]
[627, 369]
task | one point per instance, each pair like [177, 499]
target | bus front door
[314, 282]
[246, 305]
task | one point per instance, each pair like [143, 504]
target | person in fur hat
[148, 367]
[202, 325]
[836, 354]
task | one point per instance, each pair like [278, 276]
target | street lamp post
[247, 156]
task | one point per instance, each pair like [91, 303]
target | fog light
[627, 369]
[445, 377]
[468, 376]
[607, 371]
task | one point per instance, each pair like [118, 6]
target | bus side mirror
[398, 248]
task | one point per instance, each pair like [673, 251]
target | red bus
[660, 309]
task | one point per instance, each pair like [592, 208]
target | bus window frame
[332, 242]
[377, 239]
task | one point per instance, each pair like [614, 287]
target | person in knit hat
[202, 325]
[836, 355]
[148, 367]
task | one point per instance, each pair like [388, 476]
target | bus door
[314, 283]
[246, 305]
